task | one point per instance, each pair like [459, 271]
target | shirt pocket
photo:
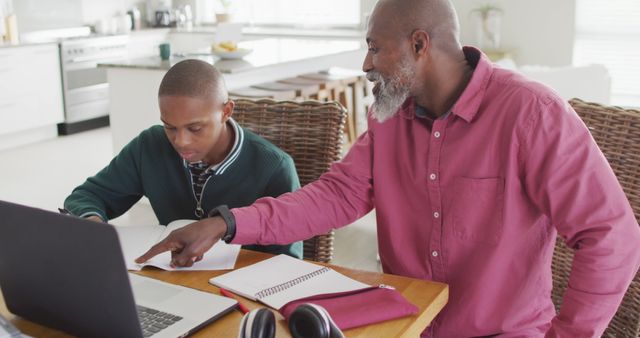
[477, 209]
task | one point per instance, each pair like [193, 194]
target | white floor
[44, 173]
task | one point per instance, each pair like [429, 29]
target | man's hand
[188, 244]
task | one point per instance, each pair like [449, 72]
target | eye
[168, 128]
[195, 129]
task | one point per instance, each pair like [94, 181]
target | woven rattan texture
[311, 133]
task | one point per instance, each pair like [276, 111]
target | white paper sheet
[136, 240]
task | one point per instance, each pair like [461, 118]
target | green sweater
[149, 166]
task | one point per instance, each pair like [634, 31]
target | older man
[473, 170]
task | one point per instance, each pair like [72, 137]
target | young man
[473, 171]
[199, 160]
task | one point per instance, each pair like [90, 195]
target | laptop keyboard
[153, 321]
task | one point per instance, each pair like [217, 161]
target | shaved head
[195, 108]
[194, 78]
[437, 17]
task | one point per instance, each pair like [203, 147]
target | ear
[227, 110]
[420, 42]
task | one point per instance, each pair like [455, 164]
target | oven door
[86, 90]
[84, 74]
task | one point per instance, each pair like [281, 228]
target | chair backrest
[617, 133]
[311, 133]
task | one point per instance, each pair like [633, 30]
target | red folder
[359, 307]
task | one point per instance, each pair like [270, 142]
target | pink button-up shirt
[474, 200]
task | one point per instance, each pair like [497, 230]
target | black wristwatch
[227, 216]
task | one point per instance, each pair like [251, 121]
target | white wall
[536, 32]
[36, 15]
[95, 10]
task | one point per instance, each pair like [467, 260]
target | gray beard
[387, 103]
[391, 93]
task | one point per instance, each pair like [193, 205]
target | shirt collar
[231, 157]
[469, 101]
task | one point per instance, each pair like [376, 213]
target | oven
[85, 86]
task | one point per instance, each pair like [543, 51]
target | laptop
[69, 274]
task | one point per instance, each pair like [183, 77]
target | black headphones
[313, 321]
[306, 321]
[258, 323]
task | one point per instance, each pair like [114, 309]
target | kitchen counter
[265, 53]
[281, 32]
[22, 44]
[133, 83]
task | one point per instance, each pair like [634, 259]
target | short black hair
[194, 78]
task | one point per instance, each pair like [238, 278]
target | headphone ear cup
[312, 321]
[264, 324]
[334, 330]
[258, 323]
[306, 322]
[243, 326]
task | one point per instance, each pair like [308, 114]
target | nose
[367, 65]
[181, 138]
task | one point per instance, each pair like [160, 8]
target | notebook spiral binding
[281, 287]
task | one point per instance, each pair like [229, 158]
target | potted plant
[488, 18]
[224, 15]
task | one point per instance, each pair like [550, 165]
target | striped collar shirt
[200, 172]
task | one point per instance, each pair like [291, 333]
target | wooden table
[430, 297]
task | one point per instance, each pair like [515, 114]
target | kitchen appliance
[11, 29]
[183, 16]
[159, 13]
[84, 84]
[163, 18]
[136, 23]
[85, 89]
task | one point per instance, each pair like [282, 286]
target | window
[608, 33]
[307, 13]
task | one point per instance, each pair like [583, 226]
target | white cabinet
[30, 87]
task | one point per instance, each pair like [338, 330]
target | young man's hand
[188, 244]
[95, 219]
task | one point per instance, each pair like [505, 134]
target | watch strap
[224, 212]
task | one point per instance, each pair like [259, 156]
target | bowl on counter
[231, 55]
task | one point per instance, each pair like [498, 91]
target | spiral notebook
[281, 279]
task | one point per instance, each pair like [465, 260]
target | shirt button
[436, 214]
[434, 253]
[436, 134]
[432, 177]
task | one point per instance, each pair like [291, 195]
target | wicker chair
[311, 132]
[617, 133]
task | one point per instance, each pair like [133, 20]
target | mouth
[188, 155]
[376, 88]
